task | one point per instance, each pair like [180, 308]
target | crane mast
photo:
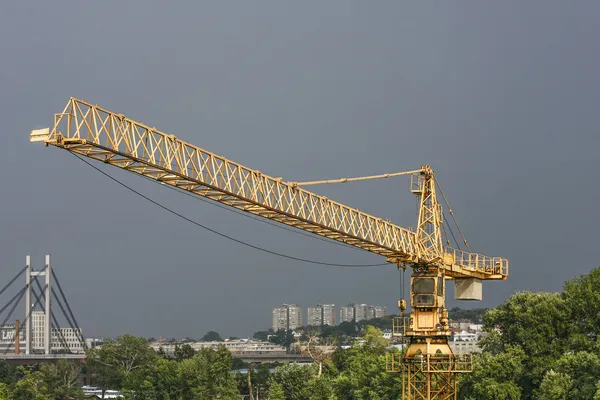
[429, 368]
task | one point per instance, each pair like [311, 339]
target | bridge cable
[14, 307]
[11, 300]
[83, 343]
[222, 234]
[54, 322]
[75, 329]
[12, 280]
[27, 315]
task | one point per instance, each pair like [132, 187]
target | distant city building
[377, 312]
[360, 312]
[464, 336]
[280, 318]
[38, 324]
[314, 316]
[63, 339]
[347, 313]
[287, 316]
[7, 338]
[321, 314]
[236, 346]
[67, 339]
[92, 343]
[329, 317]
[464, 347]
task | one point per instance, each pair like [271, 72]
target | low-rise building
[237, 346]
[460, 347]
[464, 336]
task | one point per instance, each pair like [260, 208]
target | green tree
[118, 358]
[536, 322]
[276, 392]
[193, 376]
[320, 388]
[555, 386]
[583, 369]
[472, 314]
[31, 386]
[283, 338]
[61, 379]
[8, 373]
[238, 363]
[381, 323]
[263, 335]
[183, 351]
[374, 339]
[362, 372]
[4, 391]
[208, 375]
[495, 376]
[158, 381]
[259, 377]
[212, 336]
[293, 379]
[582, 295]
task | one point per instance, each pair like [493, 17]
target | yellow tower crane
[428, 366]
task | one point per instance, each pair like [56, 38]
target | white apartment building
[361, 312]
[377, 311]
[321, 314]
[464, 336]
[347, 313]
[69, 338]
[287, 317]
[314, 316]
[460, 347]
[329, 317]
[62, 339]
[38, 323]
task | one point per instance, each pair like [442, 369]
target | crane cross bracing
[429, 367]
[97, 133]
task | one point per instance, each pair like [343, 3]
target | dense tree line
[539, 346]
[471, 314]
[46, 382]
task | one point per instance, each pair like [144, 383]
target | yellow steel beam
[106, 136]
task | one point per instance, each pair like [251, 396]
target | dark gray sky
[501, 98]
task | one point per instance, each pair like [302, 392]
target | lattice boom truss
[112, 138]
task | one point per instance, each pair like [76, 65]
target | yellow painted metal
[110, 137]
[360, 178]
[429, 368]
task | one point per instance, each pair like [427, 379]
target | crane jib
[112, 138]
